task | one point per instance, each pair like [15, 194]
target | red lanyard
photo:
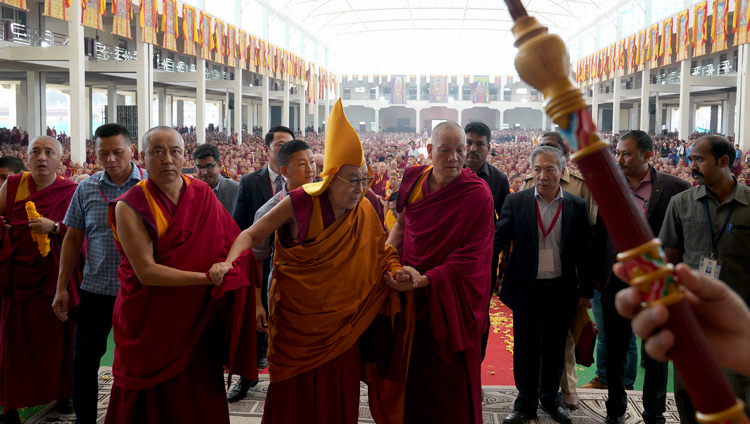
[554, 220]
[99, 184]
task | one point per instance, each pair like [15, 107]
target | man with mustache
[548, 277]
[709, 227]
[652, 191]
[478, 137]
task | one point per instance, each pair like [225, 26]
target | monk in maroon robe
[445, 230]
[36, 349]
[173, 328]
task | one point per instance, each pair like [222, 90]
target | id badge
[710, 267]
[546, 263]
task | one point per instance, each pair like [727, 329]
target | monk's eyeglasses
[356, 181]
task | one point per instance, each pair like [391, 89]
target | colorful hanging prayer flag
[219, 41]
[481, 89]
[653, 46]
[231, 45]
[719, 26]
[189, 30]
[739, 24]
[666, 41]
[57, 9]
[206, 36]
[92, 13]
[149, 21]
[243, 46]
[642, 47]
[632, 53]
[683, 37]
[18, 4]
[169, 24]
[438, 89]
[122, 11]
[398, 84]
[699, 29]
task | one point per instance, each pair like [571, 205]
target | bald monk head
[347, 187]
[44, 159]
[164, 156]
[447, 151]
[319, 164]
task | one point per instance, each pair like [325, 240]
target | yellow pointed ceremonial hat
[343, 147]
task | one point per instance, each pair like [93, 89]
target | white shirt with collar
[554, 239]
[272, 176]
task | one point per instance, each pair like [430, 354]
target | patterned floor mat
[498, 402]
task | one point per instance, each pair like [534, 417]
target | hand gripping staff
[542, 61]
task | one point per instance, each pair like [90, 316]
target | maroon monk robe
[378, 184]
[36, 348]
[171, 342]
[448, 236]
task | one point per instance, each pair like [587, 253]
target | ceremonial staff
[542, 61]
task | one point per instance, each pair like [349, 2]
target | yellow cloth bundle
[42, 240]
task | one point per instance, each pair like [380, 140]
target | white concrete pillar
[226, 121]
[595, 105]
[265, 106]
[200, 102]
[419, 92]
[285, 105]
[111, 102]
[302, 111]
[144, 87]
[616, 105]
[34, 105]
[77, 75]
[89, 110]
[742, 126]
[238, 104]
[170, 111]
[685, 104]
[728, 114]
[657, 117]
[161, 94]
[500, 118]
[180, 113]
[316, 113]
[645, 94]
[377, 120]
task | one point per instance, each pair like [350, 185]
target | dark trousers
[493, 285]
[619, 333]
[93, 324]
[539, 334]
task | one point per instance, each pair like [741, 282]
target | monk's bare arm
[280, 214]
[69, 254]
[139, 249]
[396, 237]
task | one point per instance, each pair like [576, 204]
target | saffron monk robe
[173, 329]
[36, 349]
[445, 229]
[332, 320]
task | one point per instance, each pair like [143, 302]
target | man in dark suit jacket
[207, 165]
[547, 278]
[651, 191]
[478, 136]
[255, 190]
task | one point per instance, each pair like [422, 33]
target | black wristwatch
[57, 228]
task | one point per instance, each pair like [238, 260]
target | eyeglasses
[208, 167]
[356, 181]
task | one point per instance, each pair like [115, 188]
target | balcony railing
[105, 52]
[22, 34]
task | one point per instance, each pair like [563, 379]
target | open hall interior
[230, 73]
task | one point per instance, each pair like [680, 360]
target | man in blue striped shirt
[87, 217]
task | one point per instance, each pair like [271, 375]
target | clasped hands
[218, 271]
[405, 279]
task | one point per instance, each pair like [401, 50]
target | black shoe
[559, 414]
[518, 417]
[239, 391]
[614, 420]
[10, 417]
[262, 363]
[65, 406]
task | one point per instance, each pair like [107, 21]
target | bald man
[170, 323]
[35, 347]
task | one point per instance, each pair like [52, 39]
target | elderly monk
[35, 346]
[329, 264]
[445, 230]
[171, 325]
